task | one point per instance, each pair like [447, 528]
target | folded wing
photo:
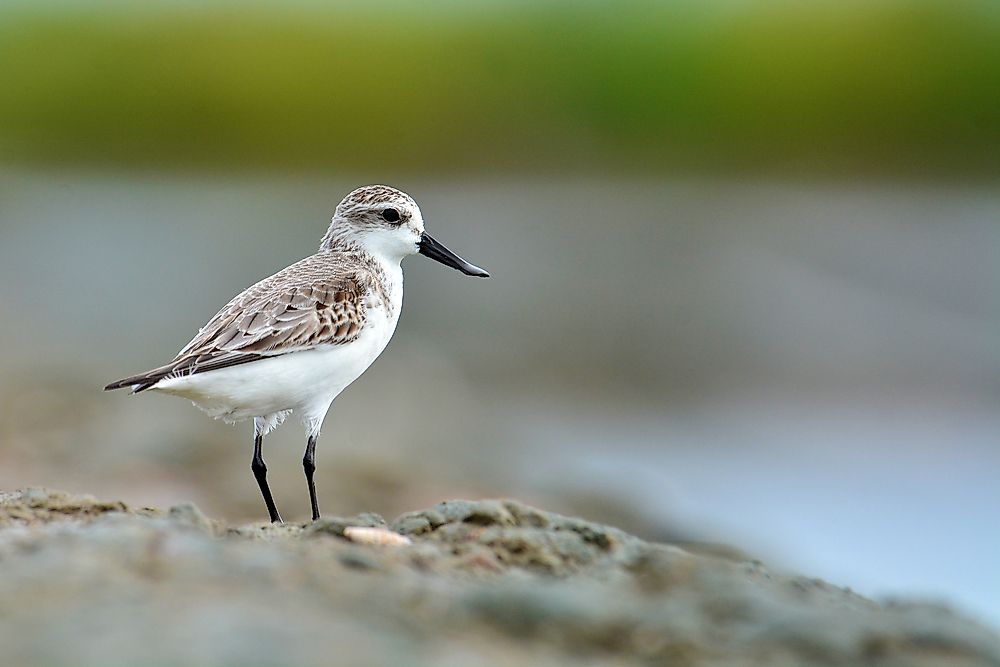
[275, 316]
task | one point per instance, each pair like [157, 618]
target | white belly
[305, 381]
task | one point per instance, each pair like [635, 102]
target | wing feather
[277, 322]
[299, 308]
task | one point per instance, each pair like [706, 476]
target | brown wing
[288, 312]
[290, 318]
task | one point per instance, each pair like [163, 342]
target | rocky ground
[89, 582]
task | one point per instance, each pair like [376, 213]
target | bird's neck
[378, 262]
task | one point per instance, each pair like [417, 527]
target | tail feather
[143, 381]
[185, 366]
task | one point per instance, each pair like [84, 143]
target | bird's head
[387, 222]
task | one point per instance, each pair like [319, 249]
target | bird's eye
[390, 215]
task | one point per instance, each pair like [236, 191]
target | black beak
[428, 247]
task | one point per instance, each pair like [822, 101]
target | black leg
[309, 465]
[260, 473]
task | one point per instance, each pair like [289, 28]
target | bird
[294, 341]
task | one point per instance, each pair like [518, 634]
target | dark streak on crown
[371, 195]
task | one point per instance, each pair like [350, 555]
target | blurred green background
[888, 87]
[745, 258]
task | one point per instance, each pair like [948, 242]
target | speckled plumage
[320, 300]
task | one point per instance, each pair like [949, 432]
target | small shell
[380, 536]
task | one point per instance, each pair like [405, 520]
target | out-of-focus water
[883, 495]
[809, 372]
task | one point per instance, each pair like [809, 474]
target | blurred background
[746, 260]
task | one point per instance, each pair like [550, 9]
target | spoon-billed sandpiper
[294, 341]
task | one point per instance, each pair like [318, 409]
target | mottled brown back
[319, 300]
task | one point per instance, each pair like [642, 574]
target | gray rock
[188, 514]
[335, 525]
[85, 582]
